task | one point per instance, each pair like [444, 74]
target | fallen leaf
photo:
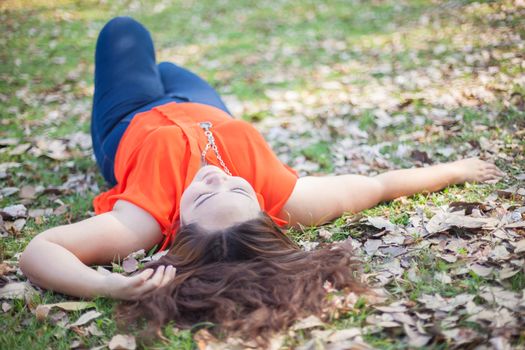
[20, 149]
[6, 269]
[130, 265]
[480, 270]
[10, 141]
[325, 234]
[6, 307]
[7, 191]
[94, 330]
[381, 223]
[500, 253]
[391, 308]
[15, 227]
[122, 342]
[60, 210]
[85, 318]
[444, 221]
[507, 272]
[520, 246]
[307, 323]
[204, 338]
[14, 211]
[442, 277]
[17, 290]
[27, 192]
[71, 305]
[372, 245]
[41, 312]
[34, 213]
[415, 338]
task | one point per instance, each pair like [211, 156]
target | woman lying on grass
[229, 263]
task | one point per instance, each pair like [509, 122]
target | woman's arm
[57, 259]
[317, 200]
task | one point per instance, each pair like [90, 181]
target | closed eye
[208, 195]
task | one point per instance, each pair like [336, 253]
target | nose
[216, 178]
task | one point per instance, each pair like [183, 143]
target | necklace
[206, 126]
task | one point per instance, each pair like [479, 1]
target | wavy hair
[248, 280]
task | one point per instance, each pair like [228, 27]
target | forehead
[224, 210]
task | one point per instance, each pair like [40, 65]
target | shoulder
[164, 135]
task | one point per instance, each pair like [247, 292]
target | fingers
[140, 278]
[162, 277]
[157, 277]
[169, 275]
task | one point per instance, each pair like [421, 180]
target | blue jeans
[128, 81]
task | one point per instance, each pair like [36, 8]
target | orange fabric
[159, 154]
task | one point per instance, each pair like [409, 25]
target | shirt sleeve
[153, 178]
[274, 180]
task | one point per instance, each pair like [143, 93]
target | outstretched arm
[317, 200]
[57, 259]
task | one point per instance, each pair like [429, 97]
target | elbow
[25, 259]
[28, 259]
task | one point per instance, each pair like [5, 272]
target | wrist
[102, 287]
[457, 173]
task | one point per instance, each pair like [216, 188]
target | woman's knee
[121, 25]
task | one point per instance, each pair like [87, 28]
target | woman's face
[215, 200]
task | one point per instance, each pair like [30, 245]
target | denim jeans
[128, 81]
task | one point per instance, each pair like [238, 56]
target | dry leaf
[480, 270]
[20, 149]
[6, 307]
[28, 192]
[41, 312]
[372, 245]
[14, 211]
[443, 221]
[122, 342]
[15, 227]
[381, 223]
[130, 265]
[325, 234]
[71, 305]
[6, 269]
[17, 290]
[94, 330]
[520, 246]
[85, 318]
[415, 338]
[507, 272]
[307, 323]
[203, 338]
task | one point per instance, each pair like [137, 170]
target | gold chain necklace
[206, 126]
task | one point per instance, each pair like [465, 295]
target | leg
[183, 84]
[126, 78]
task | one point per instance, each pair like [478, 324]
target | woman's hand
[117, 286]
[477, 170]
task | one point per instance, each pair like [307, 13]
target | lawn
[335, 87]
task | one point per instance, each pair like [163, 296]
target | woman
[153, 128]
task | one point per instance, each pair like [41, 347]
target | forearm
[407, 182]
[51, 266]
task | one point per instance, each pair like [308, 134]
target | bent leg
[126, 74]
[181, 83]
[126, 79]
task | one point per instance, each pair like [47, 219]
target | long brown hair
[249, 280]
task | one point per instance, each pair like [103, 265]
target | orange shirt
[159, 154]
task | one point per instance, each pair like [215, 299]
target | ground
[336, 87]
